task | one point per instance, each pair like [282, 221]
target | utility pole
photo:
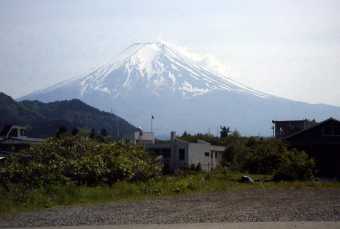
[152, 118]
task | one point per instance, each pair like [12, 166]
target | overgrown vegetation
[195, 182]
[76, 160]
[75, 169]
[260, 155]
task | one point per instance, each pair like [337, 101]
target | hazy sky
[289, 48]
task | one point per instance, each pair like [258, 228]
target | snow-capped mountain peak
[174, 85]
[158, 67]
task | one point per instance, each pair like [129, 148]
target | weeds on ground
[197, 182]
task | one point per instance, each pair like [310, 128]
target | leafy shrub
[267, 156]
[79, 160]
[236, 153]
[295, 165]
[264, 156]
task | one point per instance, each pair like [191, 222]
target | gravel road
[241, 206]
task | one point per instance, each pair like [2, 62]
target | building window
[181, 154]
[166, 152]
[331, 131]
[13, 133]
[156, 151]
[206, 154]
[337, 131]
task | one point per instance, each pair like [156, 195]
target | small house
[177, 153]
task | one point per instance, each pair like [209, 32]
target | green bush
[78, 160]
[267, 156]
[252, 155]
[295, 165]
[264, 156]
[236, 153]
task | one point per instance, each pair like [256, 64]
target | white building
[177, 153]
[13, 138]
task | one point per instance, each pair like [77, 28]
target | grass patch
[20, 199]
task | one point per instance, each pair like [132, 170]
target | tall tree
[185, 134]
[103, 132]
[224, 131]
[62, 130]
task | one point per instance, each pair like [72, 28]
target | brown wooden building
[322, 142]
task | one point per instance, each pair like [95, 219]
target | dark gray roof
[312, 127]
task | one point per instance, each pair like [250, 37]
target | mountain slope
[45, 118]
[159, 79]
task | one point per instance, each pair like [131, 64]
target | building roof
[290, 121]
[312, 127]
[158, 141]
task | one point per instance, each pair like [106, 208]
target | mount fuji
[162, 80]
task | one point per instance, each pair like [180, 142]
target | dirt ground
[242, 206]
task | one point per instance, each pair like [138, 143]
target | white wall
[196, 154]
